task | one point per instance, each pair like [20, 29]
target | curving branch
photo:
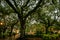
[37, 6]
[11, 5]
[26, 3]
[15, 3]
[12, 26]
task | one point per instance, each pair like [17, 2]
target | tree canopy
[27, 12]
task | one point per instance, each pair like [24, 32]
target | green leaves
[54, 1]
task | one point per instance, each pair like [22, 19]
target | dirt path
[34, 39]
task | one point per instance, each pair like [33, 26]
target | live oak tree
[11, 20]
[48, 14]
[23, 8]
[8, 23]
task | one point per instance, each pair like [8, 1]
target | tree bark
[47, 29]
[22, 29]
[48, 25]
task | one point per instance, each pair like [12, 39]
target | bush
[50, 36]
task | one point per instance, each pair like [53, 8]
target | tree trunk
[22, 29]
[47, 29]
[48, 25]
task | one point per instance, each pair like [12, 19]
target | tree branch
[12, 26]
[15, 3]
[30, 12]
[11, 5]
[26, 3]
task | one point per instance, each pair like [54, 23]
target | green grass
[44, 36]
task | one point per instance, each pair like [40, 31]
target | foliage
[35, 15]
[50, 36]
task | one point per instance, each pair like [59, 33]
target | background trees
[27, 11]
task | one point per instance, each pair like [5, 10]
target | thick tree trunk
[22, 29]
[22, 23]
